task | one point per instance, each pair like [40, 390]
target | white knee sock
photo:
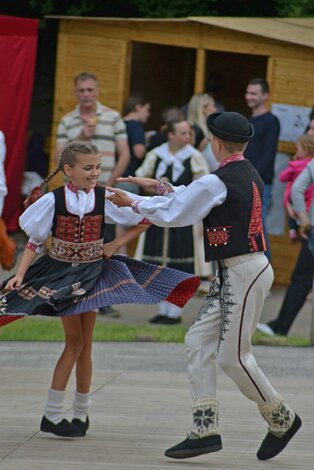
[173, 311]
[81, 405]
[169, 310]
[163, 307]
[53, 408]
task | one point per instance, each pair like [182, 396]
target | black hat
[230, 126]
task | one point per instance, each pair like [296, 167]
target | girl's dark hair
[136, 99]
[171, 125]
[67, 157]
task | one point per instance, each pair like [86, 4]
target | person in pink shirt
[303, 156]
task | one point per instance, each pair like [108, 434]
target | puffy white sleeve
[199, 165]
[185, 206]
[146, 170]
[37, 219]
[123, 215]
[3, 186]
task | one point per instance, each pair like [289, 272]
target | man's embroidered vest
[235, 227]
[77, 240]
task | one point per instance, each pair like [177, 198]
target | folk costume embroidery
[218, 235]
[73, 277]
[236, 227]
[256, 224]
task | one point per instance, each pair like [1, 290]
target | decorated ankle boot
[204, 436]
[283, 424]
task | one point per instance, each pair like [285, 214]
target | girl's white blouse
[37, 219]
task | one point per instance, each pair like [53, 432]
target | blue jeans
[310, 241]
[299, 287]
[265, 207]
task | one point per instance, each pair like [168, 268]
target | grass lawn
[33, 329]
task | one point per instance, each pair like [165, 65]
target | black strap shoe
[194, 447]
[164, 320]
[82, 425]
[61, 429]
[272, 445]
[157, 319]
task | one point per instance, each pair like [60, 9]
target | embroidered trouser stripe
[223, 329]
[240, 331]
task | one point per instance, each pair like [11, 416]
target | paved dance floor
[141, 406]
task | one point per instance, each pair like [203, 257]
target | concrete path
[141, 406]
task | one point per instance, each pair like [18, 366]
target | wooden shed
[170, 59]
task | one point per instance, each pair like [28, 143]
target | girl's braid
[39, 190]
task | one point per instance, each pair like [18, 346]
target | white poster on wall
[293, 120]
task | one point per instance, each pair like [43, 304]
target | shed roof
[292, 30]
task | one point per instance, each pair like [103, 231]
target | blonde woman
[201, 105]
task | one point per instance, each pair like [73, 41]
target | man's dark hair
[261, 82]
[85, 76]
[134, 100]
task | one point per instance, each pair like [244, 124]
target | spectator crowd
[179, 151]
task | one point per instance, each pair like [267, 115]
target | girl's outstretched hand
[14, 283]
[149, 184]
[119, 197]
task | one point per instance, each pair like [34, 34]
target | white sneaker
[264, 328]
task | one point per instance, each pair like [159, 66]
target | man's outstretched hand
[150, 185]
[119, 197]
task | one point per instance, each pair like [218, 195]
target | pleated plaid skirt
[56, 288]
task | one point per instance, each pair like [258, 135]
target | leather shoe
[163, 320]
[272, 445]
[194, 447]
[82, 425]
[109, 311]
[62, 429]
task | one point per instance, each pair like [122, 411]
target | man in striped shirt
[93, 122]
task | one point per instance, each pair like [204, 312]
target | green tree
[175, 8]
[158, 8]
[295, 8]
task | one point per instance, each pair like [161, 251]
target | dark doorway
[164, 75]
[227, 75]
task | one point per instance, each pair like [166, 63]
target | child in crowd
[303, 156]
[74, 278]
[229, 201]
[305, 215]
[180, 163]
